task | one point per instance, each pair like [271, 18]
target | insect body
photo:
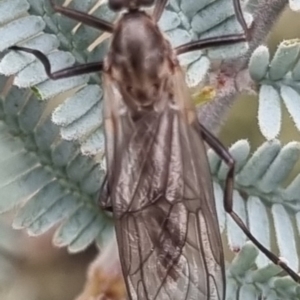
[158, 183]
[158, 176]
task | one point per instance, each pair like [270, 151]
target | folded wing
[162, 197]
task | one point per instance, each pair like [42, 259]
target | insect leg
[210, 42]
[104, 195]
[219, 40]
[83, 17]
[158, 9]
[64, 73]
[219, 148]
[239, 15]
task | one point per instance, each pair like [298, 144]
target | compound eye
[116, 5]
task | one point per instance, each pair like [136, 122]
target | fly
[158, 182]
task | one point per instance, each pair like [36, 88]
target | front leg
[211, 42]
[64, 73]
[219, 148]
[83, 18]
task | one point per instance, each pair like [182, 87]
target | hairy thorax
[140, 62]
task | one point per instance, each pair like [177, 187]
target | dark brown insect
[158, 183]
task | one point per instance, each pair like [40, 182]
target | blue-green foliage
[46, 173]
[279, 80]
[43, 169]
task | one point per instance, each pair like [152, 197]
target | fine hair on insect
[158, 183]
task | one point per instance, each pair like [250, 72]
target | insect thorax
[140, 62]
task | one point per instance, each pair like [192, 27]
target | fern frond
[259, 199]
[47, 176]
[279, 80]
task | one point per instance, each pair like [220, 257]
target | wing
[166, 225]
